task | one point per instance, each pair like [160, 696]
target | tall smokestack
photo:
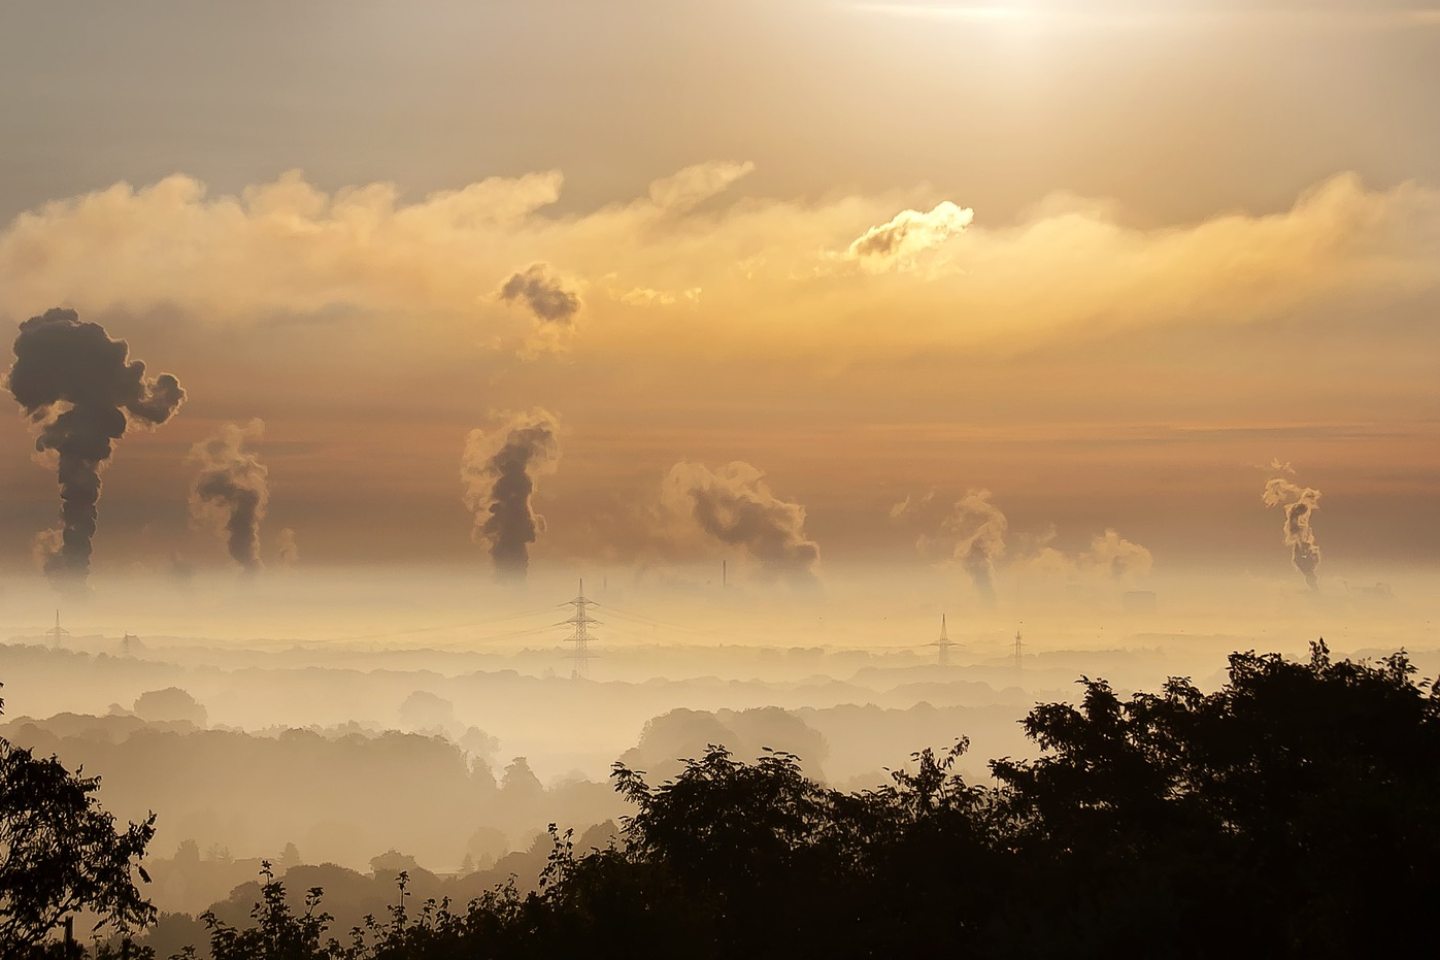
[231, 491]
[83, 392]
[499, 470]
[1299, 503]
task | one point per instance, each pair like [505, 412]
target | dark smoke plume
[83, 392]
[735, 506]
[1299, 504]
[499, 469]
[231, 491]
[980, 527]
[543, 292]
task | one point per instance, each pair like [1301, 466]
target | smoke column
[231, 491]
[1299, 504]
[1121, 557]
[287, 548]
[735, 506]
[981, 529]
[499, 469]
[82, 390]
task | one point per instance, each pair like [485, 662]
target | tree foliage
[1295, 812]
[60, 853]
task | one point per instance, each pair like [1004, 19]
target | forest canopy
[1294, 812]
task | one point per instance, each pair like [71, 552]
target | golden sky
[807, 259]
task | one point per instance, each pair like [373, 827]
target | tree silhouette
[1292, 810]
[60, 853]
[279, 933]
[1295, 812]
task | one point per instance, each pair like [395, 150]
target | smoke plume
[83, 392]
[1299, 503]
[231, 491]
[735, 506]
[980, 527]
[287, 549]
[542, 290]
[1120, 557]
[499, 469]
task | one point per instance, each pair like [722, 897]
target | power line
[437, 629]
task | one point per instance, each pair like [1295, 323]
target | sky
[1051, 288]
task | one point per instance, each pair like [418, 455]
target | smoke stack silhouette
[1299, 504]
[82, 390]
[231, 491]
[981, 528]
[499, 470]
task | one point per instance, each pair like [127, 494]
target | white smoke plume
[1299, 504]
[735, 506]
[980, 529]
[232, 490]
[287, 548]
[1119, 557]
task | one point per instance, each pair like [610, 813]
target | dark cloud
[1299, 504]
[83, 392]
[499, 469]
[735, 506]
[543, 291]
[232, 490]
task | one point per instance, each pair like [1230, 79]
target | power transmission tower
[944, 643]
[58, 634]
[1018, 652]
[581, 623]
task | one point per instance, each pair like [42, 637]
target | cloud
[232, 490]
[498, 469]
[735, 507]
[911, 506]
[646, 297]
[286, 251]
[694, 185]
[896, 243]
